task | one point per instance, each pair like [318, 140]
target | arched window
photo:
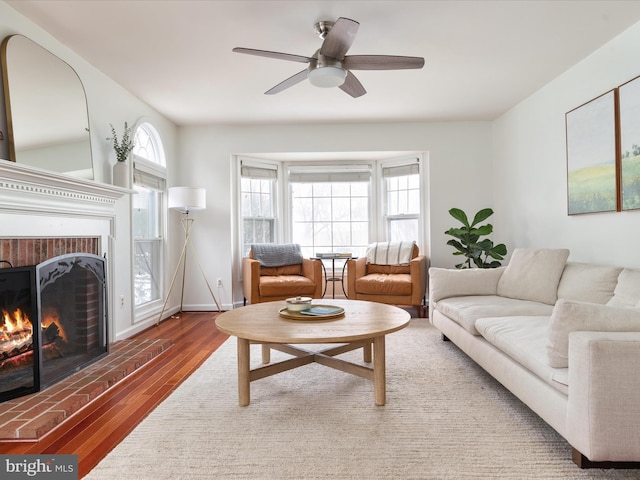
[147, 144]
[149, 182]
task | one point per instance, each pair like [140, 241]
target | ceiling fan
[330, 66]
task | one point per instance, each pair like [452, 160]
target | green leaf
[500, 249]
[482, 215]
[483, 230]
[460, 216]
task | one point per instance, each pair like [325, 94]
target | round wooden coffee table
[363, 324]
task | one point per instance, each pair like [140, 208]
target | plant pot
[121, 174]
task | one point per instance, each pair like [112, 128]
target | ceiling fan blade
[339, 39]
[352, 86]
[289, 82]
[278, 55]
[382, 62]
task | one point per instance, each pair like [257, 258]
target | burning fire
[16, 330]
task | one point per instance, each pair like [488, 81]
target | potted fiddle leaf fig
[481, 253]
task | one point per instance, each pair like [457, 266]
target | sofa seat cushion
[524, 339]
[384, 284]
[467, 310]
[286, 285]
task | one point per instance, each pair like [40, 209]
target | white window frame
[255, 166]
[328, 171]
[154, 175]
[414, 162]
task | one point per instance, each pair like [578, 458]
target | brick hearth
[33, 416]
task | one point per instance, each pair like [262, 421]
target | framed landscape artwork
[591, 156]
[630, 144]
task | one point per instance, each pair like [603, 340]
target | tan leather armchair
[391, 284]
[268, 284]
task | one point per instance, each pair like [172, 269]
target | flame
[15, 330]
[51, 316]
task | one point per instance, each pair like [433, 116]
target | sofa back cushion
[627, 291]
[533, 274]
[569, 316]
[584, 282]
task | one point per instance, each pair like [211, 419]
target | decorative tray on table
[314, 312]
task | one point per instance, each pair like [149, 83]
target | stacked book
[331, 255]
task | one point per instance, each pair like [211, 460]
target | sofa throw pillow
[533, 274]
[570, 316]
[446, 282]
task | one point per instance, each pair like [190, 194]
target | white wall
[530, 165]
[459, 176]
[108, 103]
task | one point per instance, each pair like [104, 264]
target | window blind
[401, 170]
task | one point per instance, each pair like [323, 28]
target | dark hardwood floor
[100, 426]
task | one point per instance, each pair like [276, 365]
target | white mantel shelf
[29, 189]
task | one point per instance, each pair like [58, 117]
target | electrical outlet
[219, 282]
[121, 301]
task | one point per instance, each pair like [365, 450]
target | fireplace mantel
[29, 189]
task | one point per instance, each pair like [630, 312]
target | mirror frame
[11, 108]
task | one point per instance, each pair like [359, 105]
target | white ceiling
[482, 57]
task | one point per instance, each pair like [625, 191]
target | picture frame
[592, 178]
[629, 108]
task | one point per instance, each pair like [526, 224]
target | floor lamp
[185, 200]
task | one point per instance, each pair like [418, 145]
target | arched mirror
[46, 107]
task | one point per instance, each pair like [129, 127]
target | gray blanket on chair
[277, 255]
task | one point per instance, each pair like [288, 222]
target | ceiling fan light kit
[330, 66]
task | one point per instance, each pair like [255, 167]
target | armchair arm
[356, 268]
[418, 268]
[312, 269]
[445, 282]
[251, 279]
[603, 412]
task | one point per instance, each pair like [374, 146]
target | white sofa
[563, 337]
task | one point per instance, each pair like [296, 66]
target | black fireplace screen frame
[44, 275]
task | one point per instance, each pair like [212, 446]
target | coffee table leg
[244, 381]
[266, 353]
[366, 352]
[379, 387]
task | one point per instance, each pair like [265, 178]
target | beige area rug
[445, 418]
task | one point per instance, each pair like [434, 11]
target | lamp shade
[186, 199]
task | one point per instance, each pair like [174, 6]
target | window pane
[322, 209]
[360, 209]
[403, 229]
[323, 215]
[146, 258]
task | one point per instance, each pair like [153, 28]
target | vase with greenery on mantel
[481, 253]
[123, 149]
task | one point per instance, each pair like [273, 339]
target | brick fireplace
[52, 321]
[45, 215]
